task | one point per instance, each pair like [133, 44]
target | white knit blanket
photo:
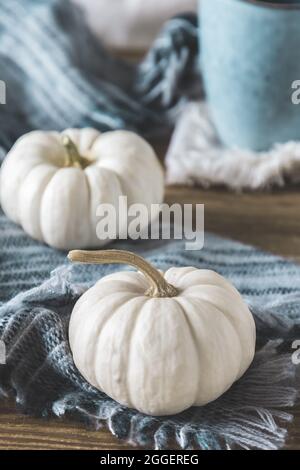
[196, 157]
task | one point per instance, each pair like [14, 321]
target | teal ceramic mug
[250, 60]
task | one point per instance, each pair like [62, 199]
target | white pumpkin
[52, 184]
[183, 342]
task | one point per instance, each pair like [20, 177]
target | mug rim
[275, 6]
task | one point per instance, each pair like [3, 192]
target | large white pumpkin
[52, 184]
[182, 342]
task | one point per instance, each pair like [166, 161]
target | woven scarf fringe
[170, 72]
[259, 423]
[256, 423]
[266, 388]
[250, 415]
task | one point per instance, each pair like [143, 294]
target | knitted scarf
[39, 369]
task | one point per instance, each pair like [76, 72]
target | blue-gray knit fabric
[41, 373]
[57, 76]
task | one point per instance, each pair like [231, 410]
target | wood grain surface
[270, 221]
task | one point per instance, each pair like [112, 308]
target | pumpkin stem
[73, 156]
[159, 287]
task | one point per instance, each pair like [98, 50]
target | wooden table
[270, 221]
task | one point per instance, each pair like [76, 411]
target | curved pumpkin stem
[159, 287]
[73, 156]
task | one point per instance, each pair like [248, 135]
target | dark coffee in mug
[277, 2]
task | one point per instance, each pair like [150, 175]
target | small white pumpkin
[160, 343]
[52, 184]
